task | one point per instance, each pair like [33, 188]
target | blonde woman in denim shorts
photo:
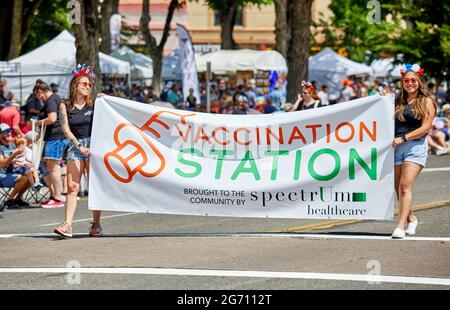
[76, 115]
[414, 113]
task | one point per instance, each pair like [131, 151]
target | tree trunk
[281, 27]
[155, 50]
[22, 17]
[5, 26]
[297, 57]
[16, 30]
[227, 22]
[86, 39]
[109, 7]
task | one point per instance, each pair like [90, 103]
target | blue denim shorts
[54, 149]
[415, 151]
[8, 179]
[74, 153]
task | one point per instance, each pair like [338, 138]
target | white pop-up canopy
[53, 63]
[224, 61]
[329, 68]
[385, 68]
[141, 65]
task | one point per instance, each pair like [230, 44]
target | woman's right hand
[85, 151]
[385, 91]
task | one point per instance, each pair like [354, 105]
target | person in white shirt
[323, 95]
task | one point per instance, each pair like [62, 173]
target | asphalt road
[190, 252]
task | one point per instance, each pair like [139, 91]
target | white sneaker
[441, 151]
[398, 234]
[411, 227]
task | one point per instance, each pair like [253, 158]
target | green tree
[417, 30]
[16, 17]
[49, 21]
[156, 50]
[227, 11]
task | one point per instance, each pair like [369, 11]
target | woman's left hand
[397, 142]
[85, 151]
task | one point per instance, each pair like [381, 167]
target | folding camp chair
[37, 146]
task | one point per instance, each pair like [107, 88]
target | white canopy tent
[224, 61]
[329, 68]
[53, 63]
[141, 65]
[384, 68]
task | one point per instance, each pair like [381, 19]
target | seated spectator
[439, 136]
[8, 152]
[23, 164]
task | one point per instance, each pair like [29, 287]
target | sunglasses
[305, 93]
[86, 84]
[6, 131]
[410, 80]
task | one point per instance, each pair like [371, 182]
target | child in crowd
[23, 164]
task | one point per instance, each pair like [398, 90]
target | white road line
[233, 235]
[237, 273]
[90, 219]
[436, 169]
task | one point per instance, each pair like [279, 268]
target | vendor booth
[240, 66]
[141, 66]
[329, 68]
[385, 68]
[53, 63]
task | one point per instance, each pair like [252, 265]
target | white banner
[187, 60]
[115, 25]
[334, 162]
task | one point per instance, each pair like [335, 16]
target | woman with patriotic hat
[76, 116]
[414, 114]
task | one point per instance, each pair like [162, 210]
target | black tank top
[410, 123]
[80, 121]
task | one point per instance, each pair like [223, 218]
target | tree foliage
[50, 20]
[227, 11]
[418, 31]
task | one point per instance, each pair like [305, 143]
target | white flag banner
[188, 65]
[115, 26]
[334, 162]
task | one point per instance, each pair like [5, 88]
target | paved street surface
[146, 251]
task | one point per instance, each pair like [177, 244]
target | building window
[239, 18]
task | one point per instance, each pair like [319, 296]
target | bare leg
[74, 170]
[440, 137]
[49, 185]
[55, 177]
[431, 143]
[30, 176]
[96, 215]
[21, 186]
[409, 174]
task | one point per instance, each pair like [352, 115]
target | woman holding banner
[76, 116]
[414, 113]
